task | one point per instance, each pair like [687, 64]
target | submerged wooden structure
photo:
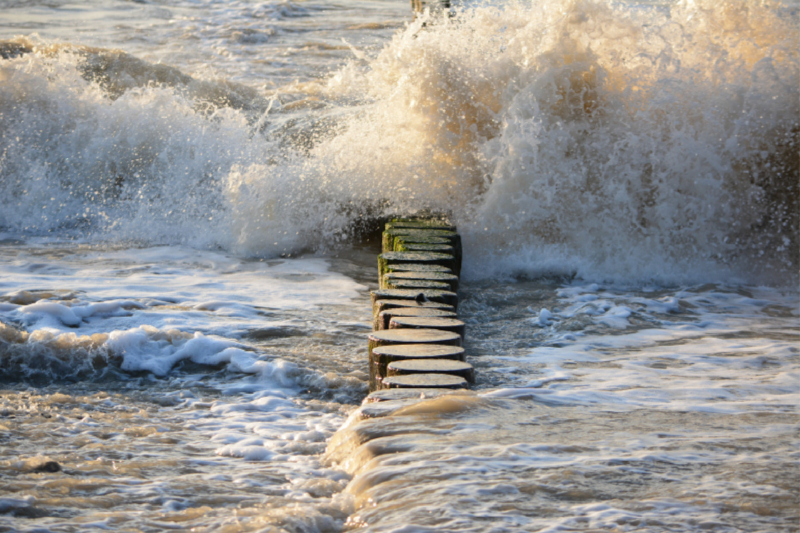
[416, 342]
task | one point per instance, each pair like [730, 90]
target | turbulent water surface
[188, 193]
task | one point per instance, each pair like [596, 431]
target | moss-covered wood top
[418, 267]
[397, 232]
[421, 239]
[416, 284]
[415, 257]
[420, 224]
[413, 247]
[429, 275]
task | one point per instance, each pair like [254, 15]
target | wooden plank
[416, 284]
[419, 296]
[442, 277]
[424, 381]
[382, 356]
[405, 336]
[427, 258]
[382, 320]
[431, 366]
[442, 323]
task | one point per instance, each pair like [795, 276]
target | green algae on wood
[389, 236]
[429, 258]
[410, 235]
[419, 239]
[400, 242]
[421, 232]
[420, 223]
[397, 239]
[442, 277]
[414, 247]
[418, 267]
[431, 366]
[415, 284]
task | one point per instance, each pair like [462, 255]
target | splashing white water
[612, 141]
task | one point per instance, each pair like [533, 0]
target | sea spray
[600, 405]
[614, 142]
[569, 137]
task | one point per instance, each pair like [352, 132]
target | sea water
[188, 192]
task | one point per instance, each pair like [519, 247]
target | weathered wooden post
[419, 6]
[416, 342]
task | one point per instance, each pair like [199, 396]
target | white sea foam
[679, 415]
[179, 305]
[688, 361]
[162, 332]
[568, 136]
[590, 136]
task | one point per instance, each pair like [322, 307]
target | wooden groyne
[415, 348]
[419, 6]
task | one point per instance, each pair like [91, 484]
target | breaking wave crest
[576, 136]
[605, 141]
